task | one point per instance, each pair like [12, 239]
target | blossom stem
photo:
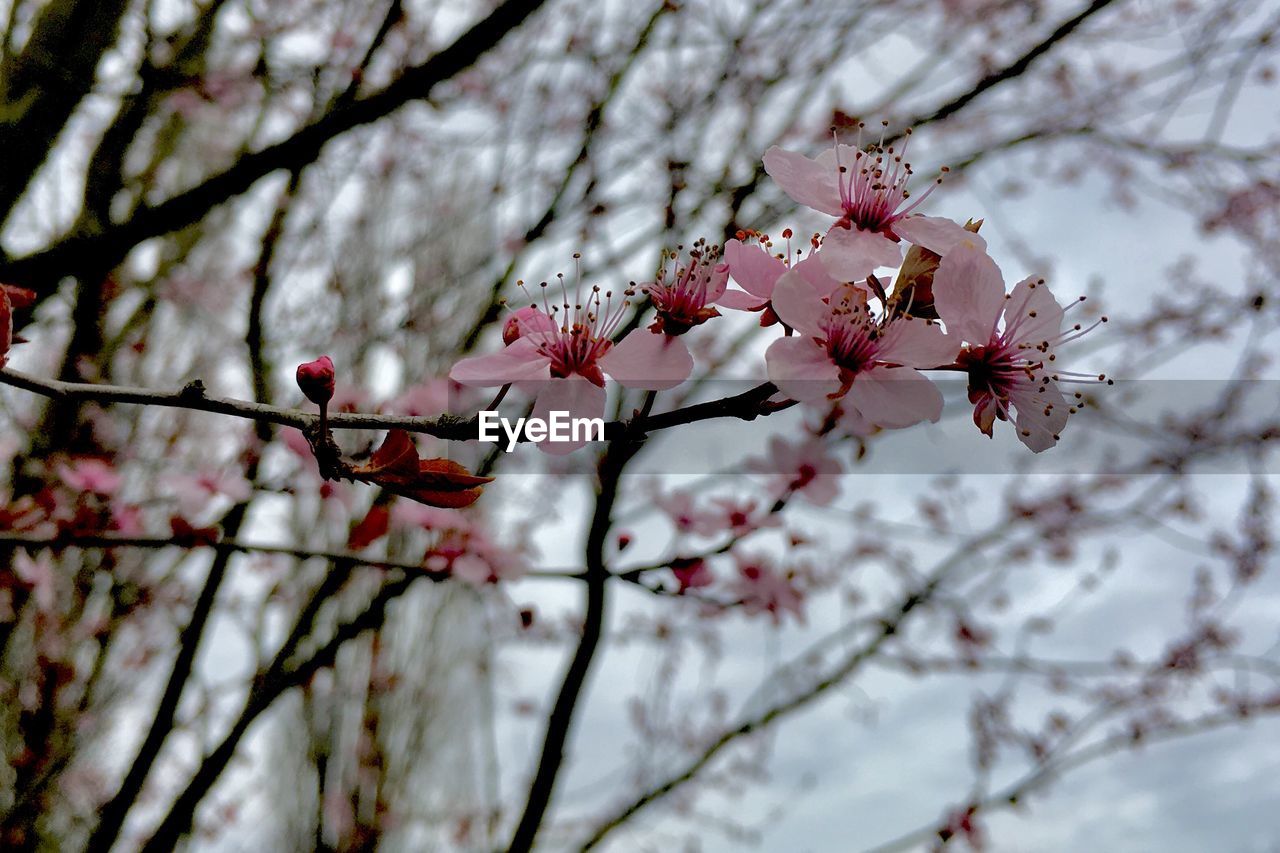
[499, 397]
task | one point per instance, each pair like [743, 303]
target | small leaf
[396, 467]
[19, 297]
[371, 528]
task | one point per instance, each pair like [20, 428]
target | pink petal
[1032, 296]
[968, 291]
[519, 362]
[808, 182]
[917, 343]
[814, 271]
[580, 398]
[841, 155]
[801, 368]
[1041, 413]
[895, 397]
[718, 282]
[856, 423]
[534, 320]
[753, 268]
[799, 306]
[740, 301]
[851, 254]
[935, 233]
[648, 360]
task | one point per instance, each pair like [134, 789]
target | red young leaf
[371, 528]
[186, 534]
[19, 297]
[397, 467]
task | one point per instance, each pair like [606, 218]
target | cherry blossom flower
[473, 558]
[737, 516]
[692, 573]
[686, 298]
[757, 272]
[195, 491]
[684, 513]
[867, 192]
[411, 514]
[460, 546]
[761, 588]
[565, 354]
[1011, 339]
[805, 468]
[842, 350]
[90, 475]
[683, 299]
[126, 519]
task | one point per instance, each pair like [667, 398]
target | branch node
[193, 390]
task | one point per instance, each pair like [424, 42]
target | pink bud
[511, 330]
[624, 541]
[523, 321]
[315, 378]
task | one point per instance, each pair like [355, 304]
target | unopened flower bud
[315, 378]
[515, 327]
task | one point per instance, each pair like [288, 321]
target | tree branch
[748, 405]
[110, 245]
[550, 761]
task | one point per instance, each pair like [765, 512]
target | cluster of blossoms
[458, 544]
[851, 349]
[849, 345]
[86, 497]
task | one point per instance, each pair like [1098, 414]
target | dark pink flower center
[682, 301]
[873, 190]
[852, 334]
[580, 333]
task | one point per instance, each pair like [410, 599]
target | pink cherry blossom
[564, 351]
[867, 191]
[127, 520]
[843, 350]
[195, 491]
[682, 509]
[737, 516]
[1011, 339]
[89, 475]
[473, 558]
[411, 514]
[683, 298]
[757, 272]
[761, 588]
[806, 468]
[692, 574]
